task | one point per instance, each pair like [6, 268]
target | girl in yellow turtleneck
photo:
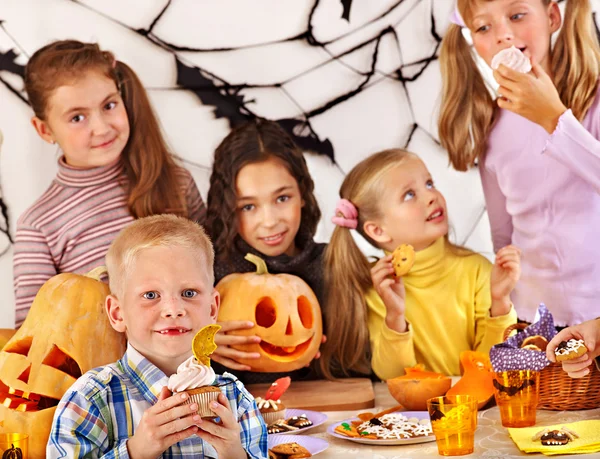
[450, 301]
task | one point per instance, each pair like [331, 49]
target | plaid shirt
[102, 409]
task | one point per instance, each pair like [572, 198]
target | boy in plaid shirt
[161, 279]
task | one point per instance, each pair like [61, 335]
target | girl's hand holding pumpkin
[505, 275]
[163, 425]
[392, 292]
[589, 332]
[229, 356]
[531, 95]
[224, 437]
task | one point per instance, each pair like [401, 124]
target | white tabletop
[491, 439]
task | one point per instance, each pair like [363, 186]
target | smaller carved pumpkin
[285, 311]
[417, 386]
[477, 379]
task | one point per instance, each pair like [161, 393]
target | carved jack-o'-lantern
[286, 314]
[65, 334]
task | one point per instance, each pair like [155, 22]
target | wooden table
[491, 439]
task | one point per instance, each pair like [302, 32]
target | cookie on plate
[289, 451]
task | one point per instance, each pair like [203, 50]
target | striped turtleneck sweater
[70, 227]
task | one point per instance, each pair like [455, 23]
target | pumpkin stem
[261, 266]
[97, 273]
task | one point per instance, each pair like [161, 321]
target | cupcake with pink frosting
[195, 376]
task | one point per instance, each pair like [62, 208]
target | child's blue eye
[283, 198]
[110, 105]
[429, 184]
[189, 293]
[77, 119]
[150, 295]
[517, 16]
[408, 195]
[483, 29]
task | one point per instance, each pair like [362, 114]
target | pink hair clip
[346, 214]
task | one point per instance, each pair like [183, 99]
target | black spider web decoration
[228, 99]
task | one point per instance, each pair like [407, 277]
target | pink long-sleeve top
[542, 194]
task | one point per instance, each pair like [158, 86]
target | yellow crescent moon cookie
[203, 344]
[403, 259]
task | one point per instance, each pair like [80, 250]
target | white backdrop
[347, 87]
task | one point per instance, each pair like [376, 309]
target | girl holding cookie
[536, 144]
[448, 301]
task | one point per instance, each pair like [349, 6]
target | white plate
[400, 441]
[313, 444]
[316, 417]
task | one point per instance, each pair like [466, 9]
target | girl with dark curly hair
[261, 201]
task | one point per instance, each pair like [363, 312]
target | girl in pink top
[536, 144]
[115, 165]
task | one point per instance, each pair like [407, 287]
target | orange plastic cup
[517, 395]
[453, 421]
[14, 445]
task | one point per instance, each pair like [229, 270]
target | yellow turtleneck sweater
[447, 309]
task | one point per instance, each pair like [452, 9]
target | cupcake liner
[203, 400]
[273, 416]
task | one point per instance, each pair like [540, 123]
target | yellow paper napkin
[588, 441]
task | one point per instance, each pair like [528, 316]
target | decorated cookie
[555, 437]
[513, 58]
[535, 342]
[568, 350]
[403, 259]
[299, 421]
[203, 344]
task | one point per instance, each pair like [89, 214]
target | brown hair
[156, 231]
[151, 170]
[468, 111]
[253, 142]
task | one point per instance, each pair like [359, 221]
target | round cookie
[536, 340]
[403, 259]
[569, 350]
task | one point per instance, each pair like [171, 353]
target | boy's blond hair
[155, 231]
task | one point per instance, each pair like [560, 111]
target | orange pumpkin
[285, 311]
[65, 334]
[477, 379]
[5, 335]
[417, 386]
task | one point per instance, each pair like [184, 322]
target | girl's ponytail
[576, 58]
[152, 172]
[347, 276]
[467, 110]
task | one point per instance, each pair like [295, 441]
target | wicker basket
[558, 391]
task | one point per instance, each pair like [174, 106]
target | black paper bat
[510, 391]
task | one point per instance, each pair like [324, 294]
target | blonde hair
[348, 272]
[155, 231]
[468, 111]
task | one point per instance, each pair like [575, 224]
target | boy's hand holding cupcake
[576, 347]
[505, 275]
[179, 416]
[389, 286]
